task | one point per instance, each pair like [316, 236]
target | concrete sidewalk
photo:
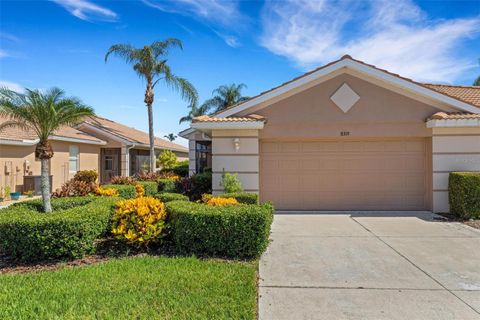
[370, 266]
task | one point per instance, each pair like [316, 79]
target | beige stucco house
[346, 136]
[109, 147]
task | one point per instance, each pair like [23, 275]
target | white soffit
[345, 98]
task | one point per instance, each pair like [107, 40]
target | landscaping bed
[134, 288]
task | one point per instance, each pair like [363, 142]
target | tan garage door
[346, 175]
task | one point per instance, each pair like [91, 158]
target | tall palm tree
[195, 111]
[43, 113]
[170, 137]
[226, 96]
[150, 64]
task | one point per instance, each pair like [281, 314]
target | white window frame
[74, 157]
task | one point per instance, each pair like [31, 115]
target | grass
[134, 288]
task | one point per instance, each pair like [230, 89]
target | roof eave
[364, 68]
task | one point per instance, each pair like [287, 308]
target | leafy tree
[477, 81]
[42, 113]
[170, 137]
[167, 159]
[226, 96]
[150, 64]
[195, 111]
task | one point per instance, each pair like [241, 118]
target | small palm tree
[170, 137]
[43, 113]
[226, 96]
[150, 64]
[195, 111]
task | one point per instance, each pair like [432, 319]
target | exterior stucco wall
[13, 159]
[378, 113]
[244, 162]
[453, 149]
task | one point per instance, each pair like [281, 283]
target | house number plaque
[344, 133]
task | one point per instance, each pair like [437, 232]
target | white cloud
[395, 35]
[87, 10]
[217, 11]
[12, 86]
[4, 54]
[230, 40]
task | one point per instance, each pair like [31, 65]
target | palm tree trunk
[149, 102]
[45, 185]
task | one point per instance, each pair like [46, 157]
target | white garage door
[345, 175]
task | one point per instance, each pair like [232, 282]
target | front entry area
[380, 174]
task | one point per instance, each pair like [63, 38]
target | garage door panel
[353, 175]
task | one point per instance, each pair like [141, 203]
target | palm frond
[160, 48]
[125, 51]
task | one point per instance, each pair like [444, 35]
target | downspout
[127, 164]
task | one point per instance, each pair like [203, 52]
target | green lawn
[134, 288]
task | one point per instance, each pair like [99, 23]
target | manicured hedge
[69, 232]
[170, 196]
[127, 191]
[166, 185]
[151, 187]
[236, 231]
[242, 197]
[464, 194]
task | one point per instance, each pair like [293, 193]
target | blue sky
[260, 43]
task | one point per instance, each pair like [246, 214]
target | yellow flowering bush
[206, 197]
[139, 190]
[108, 192]
[139, 221]
[217, 201]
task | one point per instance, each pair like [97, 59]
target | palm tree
[170, 137]
[43, 113]
[195, 111]
[150, 64]
[226, 96]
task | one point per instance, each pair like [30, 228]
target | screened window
[203, 155]
[73, 159]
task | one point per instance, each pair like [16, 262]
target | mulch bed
[10, 266]
[474, 223]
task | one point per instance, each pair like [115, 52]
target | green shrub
[124, 190]
[128, 191]
[166, 185]
[170, 196]
[196, 185]
[237, 231]
[27, 234]
[167, 159]
[230, 183]
[88, 176]
[151, 187]
[242, 197]
[181, 169]
[464, 194]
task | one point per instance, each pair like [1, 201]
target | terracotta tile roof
[131, 134]
[461, 95]
[470, 94]
[249, 118]
[17, 134]
[454, 116]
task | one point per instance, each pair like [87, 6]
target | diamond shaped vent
[345, 98]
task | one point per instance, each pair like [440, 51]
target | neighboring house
[98, 143]
[346, 136]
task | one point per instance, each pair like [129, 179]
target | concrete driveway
[370, 266]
